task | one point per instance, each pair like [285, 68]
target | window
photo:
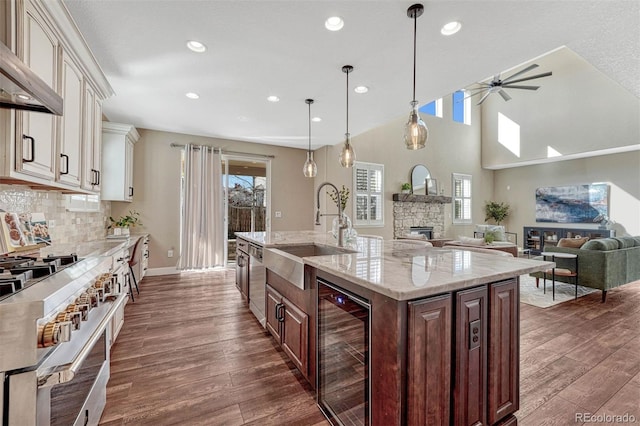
[461, 107]
[432, 108]
[461, 198]
[368, 179]
[82, 203]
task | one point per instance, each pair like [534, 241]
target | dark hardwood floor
[191, 353]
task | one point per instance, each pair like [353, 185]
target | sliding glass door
[246, 183]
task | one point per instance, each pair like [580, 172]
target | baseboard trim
[169, 270]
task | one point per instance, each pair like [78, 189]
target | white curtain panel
[202, 244]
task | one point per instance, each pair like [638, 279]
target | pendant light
[347, 155]
[310, 169]
[415, 131]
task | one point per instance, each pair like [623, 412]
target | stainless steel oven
[63, 391]
[54, 357]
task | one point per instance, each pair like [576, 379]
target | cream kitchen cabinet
[117, 161]
[35, 133]
[70, 141]
[42, 150]
[92, 140]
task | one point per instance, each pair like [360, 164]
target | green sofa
[603, 263]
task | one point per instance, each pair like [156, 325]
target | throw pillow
[498, 232]
[471, 241]
[602, 244]
[572, 242]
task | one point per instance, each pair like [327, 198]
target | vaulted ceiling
[262, 48]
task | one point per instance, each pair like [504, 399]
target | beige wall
[621, 171]
[157, 188]
[68, 227]
[452, 148]
[576, 110]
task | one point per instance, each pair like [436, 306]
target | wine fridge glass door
[343, 356]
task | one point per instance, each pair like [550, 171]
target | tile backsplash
[64, 226]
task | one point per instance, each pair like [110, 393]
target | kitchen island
[434, 331]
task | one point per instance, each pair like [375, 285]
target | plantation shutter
[368, 180]
[461, 198]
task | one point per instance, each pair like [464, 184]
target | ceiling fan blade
[504, 95]
[515, 86]
[483, 98]
[546, 74]
[527, 69]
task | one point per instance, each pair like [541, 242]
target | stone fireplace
[418, 211]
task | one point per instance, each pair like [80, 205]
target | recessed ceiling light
[242, 118]
[316, 119]
[196, 46]
[273, 98]
[192, 95]
[23, 97]
[361, 89]
[335, 23]
[451, 28]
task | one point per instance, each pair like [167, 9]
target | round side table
[560, 272]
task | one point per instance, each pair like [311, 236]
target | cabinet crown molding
[121, 129]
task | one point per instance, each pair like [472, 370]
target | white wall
[452, 147]
[621, 171]
[157, 188]
[576, 110]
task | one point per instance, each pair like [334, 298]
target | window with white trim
[368, 182]
[461, 194]
[432, 108]
[461, 103]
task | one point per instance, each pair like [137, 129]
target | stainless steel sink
[287, 262]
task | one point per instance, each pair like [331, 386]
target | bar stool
[560, 272]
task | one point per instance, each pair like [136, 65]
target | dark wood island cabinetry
[446, 359]
[392, 333]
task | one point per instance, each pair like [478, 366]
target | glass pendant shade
[347, 155]
[415, 131]
[310, 169]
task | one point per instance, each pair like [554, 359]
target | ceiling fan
[497, 85]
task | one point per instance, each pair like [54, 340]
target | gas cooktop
[20, 272]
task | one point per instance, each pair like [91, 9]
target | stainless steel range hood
[21, 88]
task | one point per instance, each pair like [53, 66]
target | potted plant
[406, 188]
[123, 223]
[496, 211]
[344, 197]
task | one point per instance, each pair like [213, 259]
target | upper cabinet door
[92, 140]
[70, 152]
[117, 161]
[36, 132]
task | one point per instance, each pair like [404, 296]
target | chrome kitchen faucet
[342, 223]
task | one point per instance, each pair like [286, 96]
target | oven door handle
[65, 373]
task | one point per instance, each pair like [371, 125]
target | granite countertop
[104, 247]
[402, 269]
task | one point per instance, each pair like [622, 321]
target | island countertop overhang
[401, 269]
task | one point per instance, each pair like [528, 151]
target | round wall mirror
[419, 176]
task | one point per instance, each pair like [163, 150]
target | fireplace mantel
[418, 198]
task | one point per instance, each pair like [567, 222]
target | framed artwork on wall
[432, 186]
[573, 203]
